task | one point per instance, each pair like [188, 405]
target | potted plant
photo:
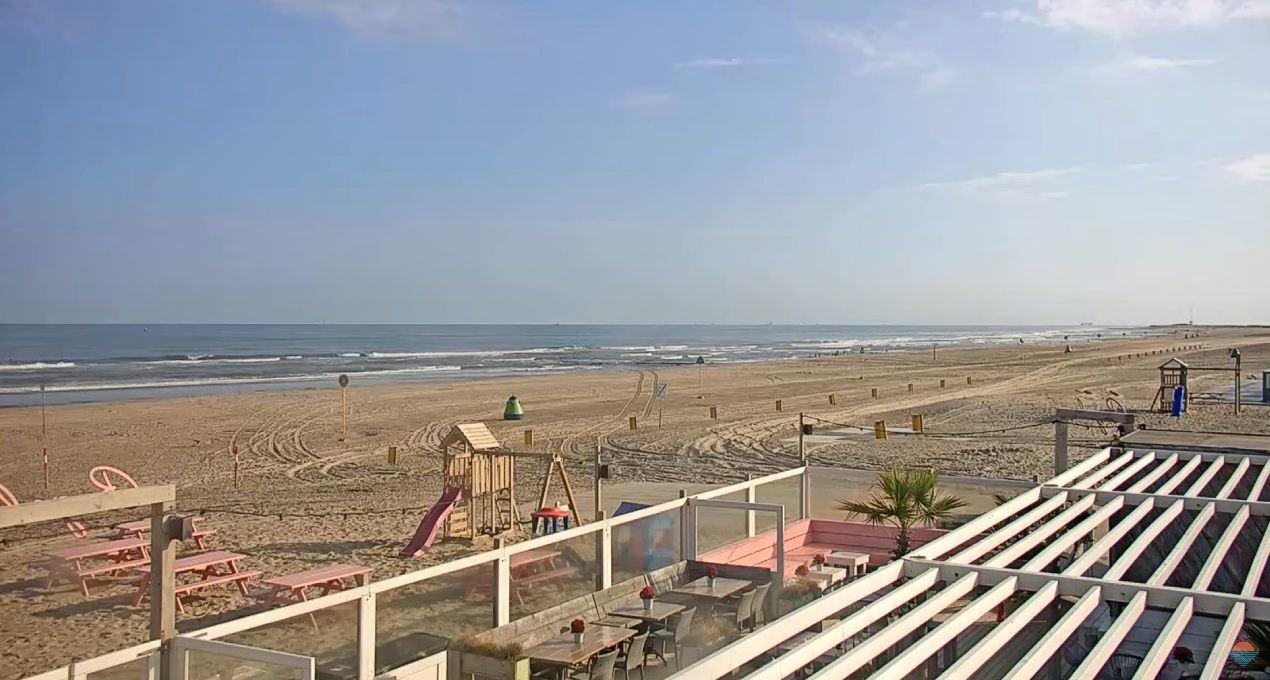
[489, 659]
[578, 628]
[647, 594]
[819, 561]
[904, 499]
[798, 591]
[711, 574]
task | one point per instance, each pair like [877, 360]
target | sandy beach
[304, 497]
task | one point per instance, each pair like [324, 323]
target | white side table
[855, 563]
[827, 575]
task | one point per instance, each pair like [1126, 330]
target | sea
[80, 363]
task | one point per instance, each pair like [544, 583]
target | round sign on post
[343, 408]
[343, 380]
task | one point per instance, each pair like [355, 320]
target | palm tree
[904, 499]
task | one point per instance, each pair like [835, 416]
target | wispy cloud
[1125, 17]
[1140, 64]
[1255, 168]
[719, 62]
[876, 55]
[1138, 166]
[431, 20]
[1046, 183]
[643, 100]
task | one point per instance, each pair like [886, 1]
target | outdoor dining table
[619, 621]
[563, 653]
[722, 588]
[216, 567]
[658, 613]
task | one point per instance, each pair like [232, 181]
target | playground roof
[1175, 362]
[476, 436]
[1179, 539]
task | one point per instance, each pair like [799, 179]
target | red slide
[427, 531]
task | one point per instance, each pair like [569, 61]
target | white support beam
[731, 657]
[1235, 477]
[1226, 505]
[1260, 484]
[932, 642]
[1226, 640]
[1207, 603]
[1152, 477]
[1061, 544]
[1209, 456]
[895, 633]
[1038, 535]
[1077, 472]
[87, 504]
[1111, 639]
[1220, 548]
[1174, 558]
[366, 637]
[1257, 568]
[988, 543]
[977, 656]
[1143, 541]
[1104, 545]
[1104, 472]
[1160, 651]
[1203, 480]
[1177, 479]
[1126, 474]
[966, 532]
[1033, 662]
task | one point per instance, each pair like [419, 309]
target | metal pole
[1239, 375]
[802, 452]
[44, 423]
[599, 503]
[700, 395]
[343, 415]
[1060, 448]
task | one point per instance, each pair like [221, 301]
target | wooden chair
[634, 657]
[673, 636]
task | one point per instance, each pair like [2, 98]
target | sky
[713, 161]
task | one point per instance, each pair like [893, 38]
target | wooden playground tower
[485, 473]
[1173, 374]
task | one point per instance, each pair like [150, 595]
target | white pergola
[1179, 534]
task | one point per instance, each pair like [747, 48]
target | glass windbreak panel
[137, 669]
[328, 635]
[717, 527]
[208, 666]
[415, 621]
[553, 574]
[646, 545]
[783, 492]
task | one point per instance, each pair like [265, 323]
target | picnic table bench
[209, 566]
[536, 566]
[290, 588]
[139, 528]
[71, 563]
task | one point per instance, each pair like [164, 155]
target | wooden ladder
[504, 509]
[458, 523]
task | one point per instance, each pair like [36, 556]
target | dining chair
[674, 636]
[601, 667]
[636, 651]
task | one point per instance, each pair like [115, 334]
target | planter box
[469, 666]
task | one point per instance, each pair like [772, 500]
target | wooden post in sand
[779, 405]
[235, 466]
[343, 408]
[46, 468]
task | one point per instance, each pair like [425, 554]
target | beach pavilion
[1140, 557]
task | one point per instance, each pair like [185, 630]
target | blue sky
[715, 161]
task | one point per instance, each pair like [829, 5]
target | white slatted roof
[1178, 538]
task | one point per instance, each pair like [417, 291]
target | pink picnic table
[216, 568]
[141, 527]
[290, 588]
[69, 562]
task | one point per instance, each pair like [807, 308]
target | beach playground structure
[479, 497]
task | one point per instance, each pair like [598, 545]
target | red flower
[711, 572]
[577, 626]
[819, 558]
[802, 570]
[647, 593]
